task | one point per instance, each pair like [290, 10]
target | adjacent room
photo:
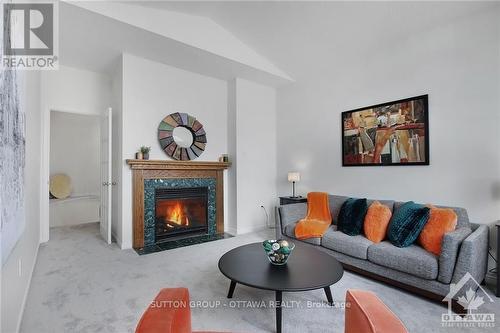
[250, 166]
[74, 169]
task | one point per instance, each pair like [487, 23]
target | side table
[292, 200]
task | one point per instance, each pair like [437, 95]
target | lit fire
[177, 216]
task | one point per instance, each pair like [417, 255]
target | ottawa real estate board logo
[463, 292]
[29, 36]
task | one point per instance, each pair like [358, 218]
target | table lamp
[293, 177]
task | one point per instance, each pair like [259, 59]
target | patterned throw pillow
[352, 215]
[377, 221]
[407, 222]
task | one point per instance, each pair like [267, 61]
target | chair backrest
[366, 313]
[168, 313]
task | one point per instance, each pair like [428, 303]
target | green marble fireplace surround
[150, 185]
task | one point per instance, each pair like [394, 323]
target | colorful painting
[394, 133]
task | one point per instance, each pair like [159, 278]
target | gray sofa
[411, 268]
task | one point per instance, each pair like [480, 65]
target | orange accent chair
[168, 313]
[366, 313]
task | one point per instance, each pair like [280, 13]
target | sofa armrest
[473, 257]
[449, 253]
[289, 214]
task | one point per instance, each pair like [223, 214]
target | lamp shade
[293, 177]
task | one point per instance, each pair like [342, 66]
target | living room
[353, 144]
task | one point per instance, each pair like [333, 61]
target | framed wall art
[393, 133]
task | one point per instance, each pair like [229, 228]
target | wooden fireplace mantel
[157, 169]
[177, 165]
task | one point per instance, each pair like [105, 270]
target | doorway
[74, 169]
[76, 159]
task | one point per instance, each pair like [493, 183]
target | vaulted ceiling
[94, 34]
[308, 38]
[300, 39]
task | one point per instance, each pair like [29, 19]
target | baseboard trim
[26, 293]
[249, 230]
[231, 231]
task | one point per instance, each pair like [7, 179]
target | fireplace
[148, 176]
[180, 212]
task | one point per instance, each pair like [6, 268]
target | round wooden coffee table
[306, 269]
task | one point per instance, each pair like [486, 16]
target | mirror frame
[168, 144]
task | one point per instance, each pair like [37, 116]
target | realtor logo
[29, 31]
[471, 302]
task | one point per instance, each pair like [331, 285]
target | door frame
[45, 167]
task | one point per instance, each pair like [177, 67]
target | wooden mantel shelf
[177, 165]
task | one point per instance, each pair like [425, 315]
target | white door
[106, 181]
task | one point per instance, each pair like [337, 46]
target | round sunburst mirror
[181, 136]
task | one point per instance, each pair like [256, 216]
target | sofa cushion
[354, 246]
[462, 216]
[377, 221]
[412, 260]
[406, 223]
[289, 230]
[388, 203]
[441, 221]
[352, 215]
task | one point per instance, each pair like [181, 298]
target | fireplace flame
[177, 216]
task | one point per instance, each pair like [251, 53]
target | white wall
[457, 64]
[150, 92]
[70, 90]
[16, 273]
[74, 211]
[76, 90]
[75, 150]
[253, 113]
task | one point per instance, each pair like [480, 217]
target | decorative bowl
[278, 251]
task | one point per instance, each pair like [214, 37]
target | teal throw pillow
[406, 223]
[352, 216]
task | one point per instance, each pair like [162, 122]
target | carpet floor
[81, 284]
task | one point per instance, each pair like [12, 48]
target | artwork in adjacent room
[12, 150]
[394, 133]
[182, 137]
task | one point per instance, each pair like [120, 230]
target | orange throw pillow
[377, 221]
[441, 221]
